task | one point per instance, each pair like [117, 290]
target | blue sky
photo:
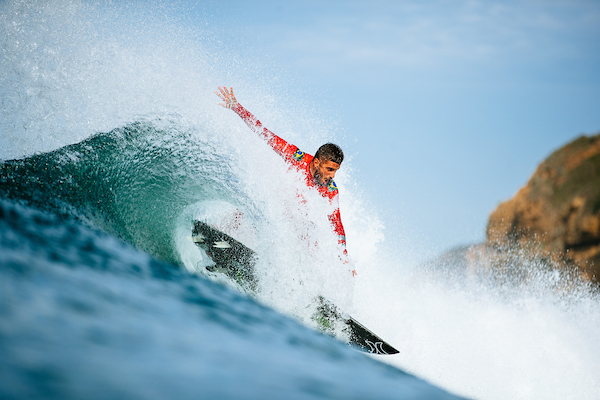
[446, 107]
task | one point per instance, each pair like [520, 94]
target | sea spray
[487, 334]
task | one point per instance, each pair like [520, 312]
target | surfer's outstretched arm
[282, 147]
[229, 101]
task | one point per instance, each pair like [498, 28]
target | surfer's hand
[229, 100]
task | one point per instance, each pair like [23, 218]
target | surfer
[318, 170]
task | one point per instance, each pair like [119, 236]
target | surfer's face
[324, 171]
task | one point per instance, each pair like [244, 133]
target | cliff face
[557, 214]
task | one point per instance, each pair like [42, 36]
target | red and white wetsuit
[300, 161]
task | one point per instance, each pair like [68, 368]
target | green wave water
[135, 182]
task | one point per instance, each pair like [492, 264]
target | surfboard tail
[367, 341]
[360, 337]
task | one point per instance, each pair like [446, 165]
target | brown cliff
[557, 214]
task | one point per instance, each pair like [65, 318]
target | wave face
[113, 144]
[134, 182]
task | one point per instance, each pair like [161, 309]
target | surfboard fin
[196, 238]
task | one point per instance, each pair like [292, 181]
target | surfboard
[237, 262]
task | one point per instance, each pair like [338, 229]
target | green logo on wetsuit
[298, 155]
[332, 186]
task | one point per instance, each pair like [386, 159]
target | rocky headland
[555, 217]
[549, 231]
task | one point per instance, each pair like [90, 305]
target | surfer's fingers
[223, 91]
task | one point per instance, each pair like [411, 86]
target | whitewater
[112, 143]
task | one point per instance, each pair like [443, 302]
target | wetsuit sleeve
[336, 222]
[281, 147]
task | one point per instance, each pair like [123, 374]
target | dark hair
[331, 152]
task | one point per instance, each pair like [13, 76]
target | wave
[133, 182]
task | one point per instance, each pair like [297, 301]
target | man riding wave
[318, 170]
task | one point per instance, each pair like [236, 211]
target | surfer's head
[327, 161]
[330, 152]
